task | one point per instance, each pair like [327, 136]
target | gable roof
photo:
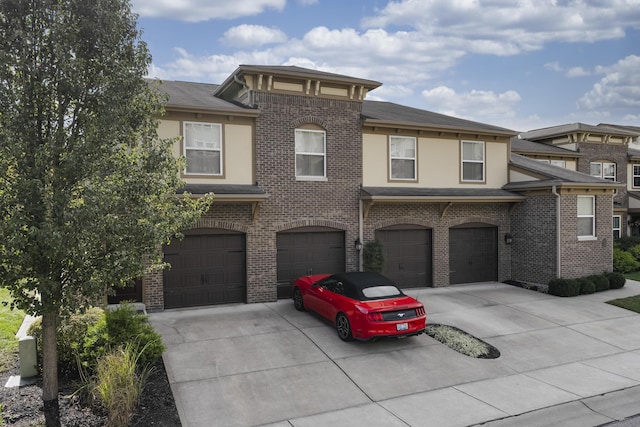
[389, 113]
[553, 175]
[526, 146]
[197, 96]
[561, 130]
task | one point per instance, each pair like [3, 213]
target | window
[604, 170]
[586, 216]
[616, 226]
[560, 163]
[310, 154]
[203, 148]
[402, 157]
[636, 175]
[472, 161]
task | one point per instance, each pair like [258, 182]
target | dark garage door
[305, 251]
[473, 254]
[205, 269]
[407, 255]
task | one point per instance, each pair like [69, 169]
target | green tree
[87, 189]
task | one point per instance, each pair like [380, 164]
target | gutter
[558, 251]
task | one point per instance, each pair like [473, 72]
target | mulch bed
[22, 406]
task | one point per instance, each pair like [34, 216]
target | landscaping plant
[373, 257]
[119, 382]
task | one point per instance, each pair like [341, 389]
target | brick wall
[613, 153]
[429, 215]
[534, 239]
[585, 257]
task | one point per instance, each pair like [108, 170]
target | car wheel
[343, 327]
[298, 302]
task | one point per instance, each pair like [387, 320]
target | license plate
[402, 326]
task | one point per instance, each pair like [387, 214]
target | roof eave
[213, 110]
[438, 128]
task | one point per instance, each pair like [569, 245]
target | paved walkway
[564, 361]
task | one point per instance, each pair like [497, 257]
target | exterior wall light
[508, 238]
[358, 244]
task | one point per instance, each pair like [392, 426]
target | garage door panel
[301, 253]
[205, 270]
[473, 255]
[408, 256]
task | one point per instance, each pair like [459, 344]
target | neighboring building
[305, 170]
[603, 151]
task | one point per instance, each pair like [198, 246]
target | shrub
[123, 325]
[373, 257]
[119, 382]
[624, 262]
[626, 242]
[635, 251]
[586, 286]
[564, 287]
[616, 280]
[601, 281]
[70, 335]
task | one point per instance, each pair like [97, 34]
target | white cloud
[553, 66]
[577, 72]
[473, 104]
[253, 36]
[619, 88]
[503, 27]
[204, 10]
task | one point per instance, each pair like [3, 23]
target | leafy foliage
[373, 257]
[624, 262]
[616, 280]
[564, 287]
[87, 337]
[587, 286]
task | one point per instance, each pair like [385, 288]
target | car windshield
[381, 291]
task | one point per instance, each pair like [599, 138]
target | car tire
[298, 302]
[343, 327]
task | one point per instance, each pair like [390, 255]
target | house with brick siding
[305, 170]
[603, 151]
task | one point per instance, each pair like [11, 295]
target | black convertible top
[354, 282]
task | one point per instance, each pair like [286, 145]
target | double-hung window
[402, 158]
[311, 154]
[604, 170]
[560, 163]
[617, 230]
[636, 175]
[203, 148]
[586, 217]
[473, 161]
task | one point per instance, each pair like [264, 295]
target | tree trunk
[50, 370]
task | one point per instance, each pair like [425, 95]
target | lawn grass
[633, 276]
[10, 321]
[630, 303]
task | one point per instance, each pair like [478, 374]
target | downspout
[360, 234]
[558, 252]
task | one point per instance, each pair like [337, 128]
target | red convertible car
[361, 305]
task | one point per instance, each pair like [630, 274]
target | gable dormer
[249, 79]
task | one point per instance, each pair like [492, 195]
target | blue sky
[520, 64]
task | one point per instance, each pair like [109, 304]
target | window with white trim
[636, 175]
[560, 163]
[617, 229]
[402, 158]
[472, 161]
[604, 170]
[203, 148]
[586, 216]
[311, 154]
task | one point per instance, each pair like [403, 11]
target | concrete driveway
[564, 361]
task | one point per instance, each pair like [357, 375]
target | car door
[321, 298]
